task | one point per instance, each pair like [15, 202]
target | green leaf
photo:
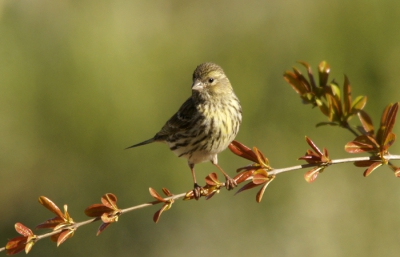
[346, 96]
[335, 91]
[358, 104]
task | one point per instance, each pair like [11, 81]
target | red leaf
[154, 194]
[50, 223]
[310, 75]
[361, 144]
[158, 213]
[16, 245]
[167, 192]
[54, 237]
[371, 168]
[46, 202]
[22, 230]
[242, 151]
[102, 227]
[96, 210]
[64, 235]
[387, 122]
[363, 163]
[260, 193]
[239, 178]
[246, 187]
[212, 179]
[109, 200]
[291, 78]
[366, 122]
[313, 146]
[312, 175]
[397, 172]
[260, 177]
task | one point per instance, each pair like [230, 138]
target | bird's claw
[230, 183]
[197, 191]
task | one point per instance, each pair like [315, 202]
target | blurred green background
[82, 80]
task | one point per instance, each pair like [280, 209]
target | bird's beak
[197, 85]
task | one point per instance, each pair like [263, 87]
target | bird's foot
[197, 191]
[230, 183]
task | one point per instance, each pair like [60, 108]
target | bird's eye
[210, 80]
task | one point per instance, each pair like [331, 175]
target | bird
[206, 123]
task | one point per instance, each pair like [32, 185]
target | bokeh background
[82, 80]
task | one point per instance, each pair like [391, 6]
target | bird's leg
[197, 189]
[229, 183]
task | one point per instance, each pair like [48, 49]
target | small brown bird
[205, 124]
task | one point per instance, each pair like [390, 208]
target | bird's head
[209, 80]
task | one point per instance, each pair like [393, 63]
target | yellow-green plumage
[206, 123]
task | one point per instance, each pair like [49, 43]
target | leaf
[261, 158]
[96, 210]
[366, 122]
[346, 96]
[397, 172]
[28, 247]
[212, 179]
[326, 123]
[323, 71]
[358, 104]
[388, 121]
[371, 168]
[311, 158]
[311, 175]
[260, 177]
[363, 163]
[50, 223]
[239, 178]
[296, 84]
[109, 200]
[389, 141]
[310, 76]
[242, 151]
[46, 202]
[260, 193]
[302, 80]
[154, 194]
[22, 230]
[157, 215]
[102, 227]
[323, 108]
[64, 235]
[246, 187]
[15, 245]
[335, 92]
[313, 146]
[362, 144]
[167, 192]
[335, 110]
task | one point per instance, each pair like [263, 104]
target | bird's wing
[180, 121]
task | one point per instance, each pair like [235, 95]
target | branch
[271, 173]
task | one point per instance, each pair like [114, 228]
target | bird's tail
[151, 140]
